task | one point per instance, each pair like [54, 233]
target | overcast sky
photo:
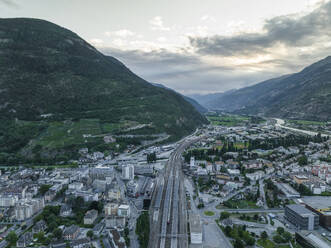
[195, 46]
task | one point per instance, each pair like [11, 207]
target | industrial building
[288, 191]
[321, 205]
[195, 229]
[311, 240]
[301, 217]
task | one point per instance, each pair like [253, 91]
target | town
[241, 181]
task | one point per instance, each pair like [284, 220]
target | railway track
[169, 227]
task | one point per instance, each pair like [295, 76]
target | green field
[65, 133]
[238, 145]
[209, 213]
[266, 243]
[306, 123]
[227, 120]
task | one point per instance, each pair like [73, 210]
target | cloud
[215, 63]
[9, 3]
[186, 72]
[157, 24]
[97, 42]
[282, 31]
[123, 33]
[208, 18]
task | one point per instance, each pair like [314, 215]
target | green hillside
[55, 88]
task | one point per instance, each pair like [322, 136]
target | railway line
[169, 224]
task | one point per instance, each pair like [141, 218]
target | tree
[228, 230]
[44, 188]
[280, 230]
[264, 235]
[238, 244]
[278, 239]
[303, 160]
[287, 236]
[12, 238]
[224, 215]
[57, 233]
[89, 234]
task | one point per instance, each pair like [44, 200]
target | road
[262, 193]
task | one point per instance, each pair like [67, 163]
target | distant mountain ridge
[302, 95]
[49, 76]
[193, 102]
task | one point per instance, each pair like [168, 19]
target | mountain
[193, 102]
[302, 95]
[58, 94]
[208, 99]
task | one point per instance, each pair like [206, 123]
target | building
[25, 240]
[115, 222]
[192, 162]
[76, 186]
[321, 205]
[101, 172]
[71, 232]
[26, 209]
[132, 189]
[111, 209]
[40, 226]
[255, 176]
[7, 200]
[127, 172]
[195, 229]
[301, 217]
[287, 190]
[114, 194]
[124, 211]
[100, 185]
[311, 240]
[65, 210]
[90, 217]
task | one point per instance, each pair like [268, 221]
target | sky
[195, 46]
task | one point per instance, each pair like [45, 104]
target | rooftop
[300, 210]
[195, 224]
[320, 203]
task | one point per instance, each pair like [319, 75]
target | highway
[169, 222]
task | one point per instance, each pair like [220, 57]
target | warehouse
[320, 205]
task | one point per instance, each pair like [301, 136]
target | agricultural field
[232, 120]
[227, 120]
[306, 123]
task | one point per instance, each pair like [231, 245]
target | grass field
[209, 213]
[238, 145]
[266, 243]
[227, 120]
[306, 123]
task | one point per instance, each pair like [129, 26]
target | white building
[76, 186]
[195, 229]
[128, 172]
[124, 211]
[7, 200]
[192, 162]
[257, 175]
